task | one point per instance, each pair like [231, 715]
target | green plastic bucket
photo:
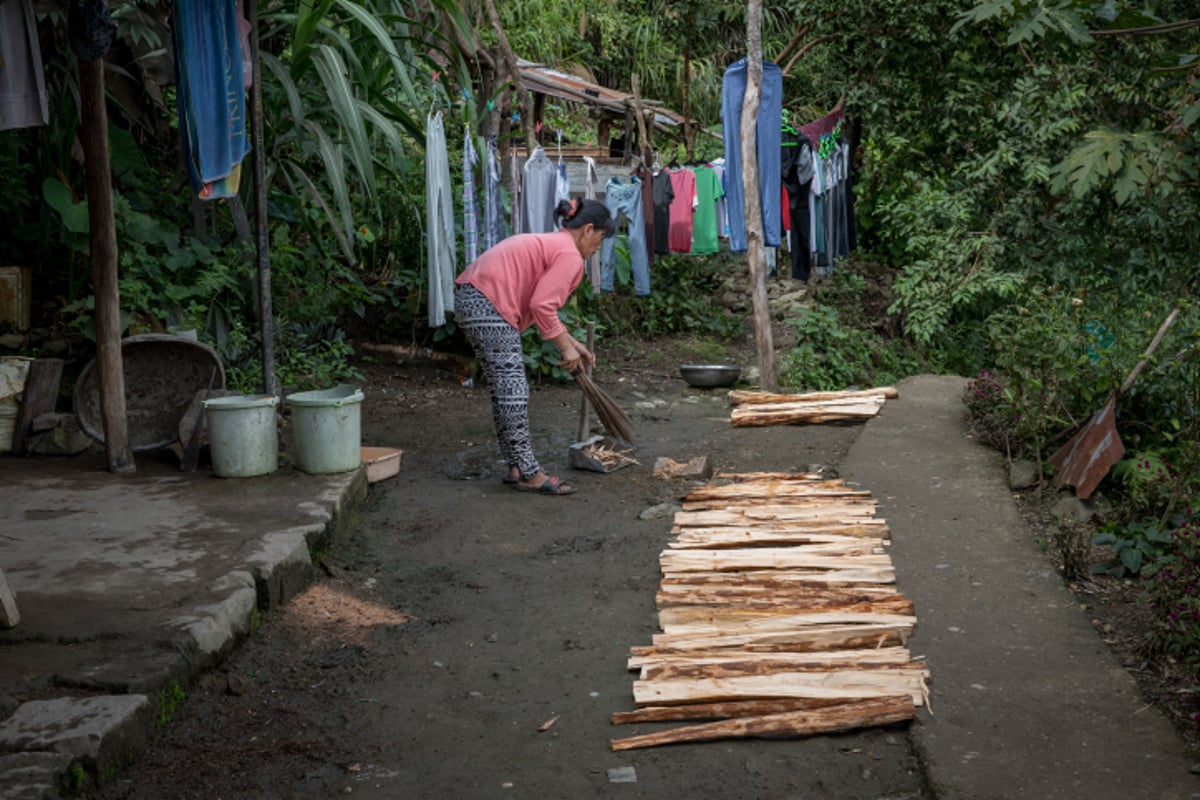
[242, 435]
[327, 429]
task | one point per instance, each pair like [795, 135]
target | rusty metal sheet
[1089, 455]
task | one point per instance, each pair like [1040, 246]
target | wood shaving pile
[609, 458]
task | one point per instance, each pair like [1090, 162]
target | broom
[611, 416]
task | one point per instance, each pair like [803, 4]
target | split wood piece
[844, 577]
[739, 396]
[784, 622]
[849, 548]
[847, 684]
[846, 636]
[731, 710]
[741, 669]
[756, 596]
[852, 526]
[829, 660]
[762, 558]
[748, 516]
[675, 615]
[816, 501]
[808, 640]
[764, 488]
[841, 717]
[746, 477]
[733, 538]
[752, 416]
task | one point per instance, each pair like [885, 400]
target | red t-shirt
[528, 278]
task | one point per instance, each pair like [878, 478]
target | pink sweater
[528, 278]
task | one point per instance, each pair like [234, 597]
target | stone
[660, 511]
[103, 730]
[65, 439]
[12, 341]
[622, 775]
[1070, 510]
[8, 704]
[10, 617]
[1022, 474]
[698, 468]
[32, 776]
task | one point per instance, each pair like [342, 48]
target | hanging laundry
[770, 117]
[592, 265]
[493, 205]
[625, 199]
[683, 208]
[211, 95]
[796, 172]
[562, 181]
[704, 222]
[518, 194]
[470, 213]
[539, 180]
[663, 193]
[90, 29]
[439, 222]
[22, 83]
[718, 166]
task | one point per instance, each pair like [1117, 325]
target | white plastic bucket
[327, 428]
[242, 434]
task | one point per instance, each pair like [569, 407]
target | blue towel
[211, 94]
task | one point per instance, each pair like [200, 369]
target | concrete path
[1027, 701]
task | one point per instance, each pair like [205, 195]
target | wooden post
[644, 130]
[39, 397]
[583, 403]
[510, 61]
[110, 372]
[261, 221]
[753, 202]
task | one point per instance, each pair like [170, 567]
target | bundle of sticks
[609, 457]
[779, 616]
[756, 409]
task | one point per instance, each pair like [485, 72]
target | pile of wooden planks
[756, 409]
[779, 616]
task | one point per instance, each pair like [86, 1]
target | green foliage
[1174, 594]
[993, 414]
[1138, 550]
[170, 699]
[308, 356]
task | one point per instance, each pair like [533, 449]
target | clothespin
[537, 127]
[491, 105]
[516, 116]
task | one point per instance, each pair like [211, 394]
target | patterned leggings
[498, 347]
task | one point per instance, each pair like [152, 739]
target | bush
[992, 413]
[1174, 595]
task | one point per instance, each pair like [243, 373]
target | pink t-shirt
[528, 278]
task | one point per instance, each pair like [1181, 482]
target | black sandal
[552, 486]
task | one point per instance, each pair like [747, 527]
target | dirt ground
[470, 641]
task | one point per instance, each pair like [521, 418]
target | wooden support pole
[753, 204]
[258, 154]
[110, 371]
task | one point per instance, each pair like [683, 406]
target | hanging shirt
[704, 222]
[592, 265]
[682, 210]
[663, 193]
[22, 83]
[539, 181]
[439, 222]
[493, 206]
[528, 278]
[470, 214]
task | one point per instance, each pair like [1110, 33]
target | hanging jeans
[493, 206]
[470, 212]
[767, 143]
[626, 198]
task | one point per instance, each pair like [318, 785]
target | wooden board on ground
[739, 396]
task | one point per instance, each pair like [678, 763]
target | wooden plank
[776, 488]
[763, 558]
[830, 659]
[730, 710]
[785, 622]
[739, 396]
[749, 515]
[727, 615]
[40, 396]
[852, 526]
[716, 538]
[750, 595]
[740, 669]
[798, 639]
[835, 718]
[845, 577]
[846, 548]
[847, 684]
[787, 500]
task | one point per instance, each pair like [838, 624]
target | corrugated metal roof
[546, 80]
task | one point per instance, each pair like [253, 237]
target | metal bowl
[708, 376]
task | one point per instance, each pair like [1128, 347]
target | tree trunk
[510, 59]
[753, 204]
[110, 371]
[262, 246]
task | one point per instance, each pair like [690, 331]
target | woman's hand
[574, 355]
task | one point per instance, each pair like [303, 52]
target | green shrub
[992, 414]
[1174, 594]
